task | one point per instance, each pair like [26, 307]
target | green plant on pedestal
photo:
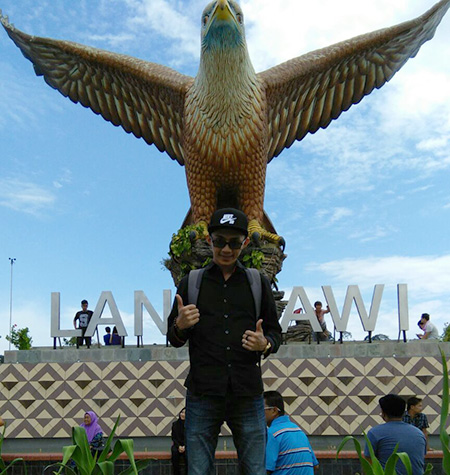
[254, 259]
[446, 333]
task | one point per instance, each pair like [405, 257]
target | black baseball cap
[229, 218]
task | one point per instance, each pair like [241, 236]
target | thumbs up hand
[188, 315]
[255, 341]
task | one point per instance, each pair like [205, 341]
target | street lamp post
[11, 260]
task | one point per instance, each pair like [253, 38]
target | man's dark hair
[84, 302]
[108, 329]
[412, 401]
[318, 303]
[425, 316]
[393, 406]
[274, 399]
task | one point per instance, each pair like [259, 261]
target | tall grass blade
[404, 457]
[107, 449]
[444, 416]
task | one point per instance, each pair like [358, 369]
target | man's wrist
[267, 347]
[179, 333]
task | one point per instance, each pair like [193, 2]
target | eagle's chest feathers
[225, 119]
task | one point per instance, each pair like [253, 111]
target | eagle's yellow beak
[223, 11]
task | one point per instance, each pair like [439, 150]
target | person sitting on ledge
[93, 430]
[115, 338]
[431, 331]
[107, 337]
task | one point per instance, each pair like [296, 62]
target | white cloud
[372, 234]
[278, 31]
[332, 216]
[172, 22]
[426, 276]
[113, 40]
[24, 196]
[64, 179]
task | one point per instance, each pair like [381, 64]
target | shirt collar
[280, 420]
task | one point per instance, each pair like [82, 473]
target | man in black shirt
[226, 341]
[83, 318]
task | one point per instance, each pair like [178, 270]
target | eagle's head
[222, 26]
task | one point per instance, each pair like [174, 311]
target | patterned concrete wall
[324, 395]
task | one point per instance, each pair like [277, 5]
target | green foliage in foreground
[374, 467]
[444, 417]
[78, 459]
[3, 467]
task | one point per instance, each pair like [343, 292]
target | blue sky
[85, 207]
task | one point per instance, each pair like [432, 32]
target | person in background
[288, 450]
[386, 436]
[416, 417]
[431, 331]
[422, 327]
[93, 430]
[107, 337]
[83, 318]
[115, 338]
[178, 443]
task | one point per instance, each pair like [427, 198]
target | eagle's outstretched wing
[144, 98]
[308, 92]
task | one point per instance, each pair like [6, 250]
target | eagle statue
[226, 124]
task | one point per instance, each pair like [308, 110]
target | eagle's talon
[256, 238]
[193, 235]
[258, 233]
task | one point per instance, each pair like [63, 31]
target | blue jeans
[244, 416]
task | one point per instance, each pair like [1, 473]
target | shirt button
[228, 348]
[225, 286]
[225, 316]
[227, 331]
[224, 300]
[229, 366]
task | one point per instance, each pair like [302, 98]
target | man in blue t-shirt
[288, 449]
[386, 436]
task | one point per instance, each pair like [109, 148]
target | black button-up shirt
[227, 309]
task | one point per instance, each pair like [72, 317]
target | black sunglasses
[221, 242]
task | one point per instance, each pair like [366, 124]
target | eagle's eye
[205, 20]
[240, 18]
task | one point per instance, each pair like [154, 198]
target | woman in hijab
[93, 431]
[178, 444]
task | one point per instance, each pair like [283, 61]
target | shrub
[20, 338]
